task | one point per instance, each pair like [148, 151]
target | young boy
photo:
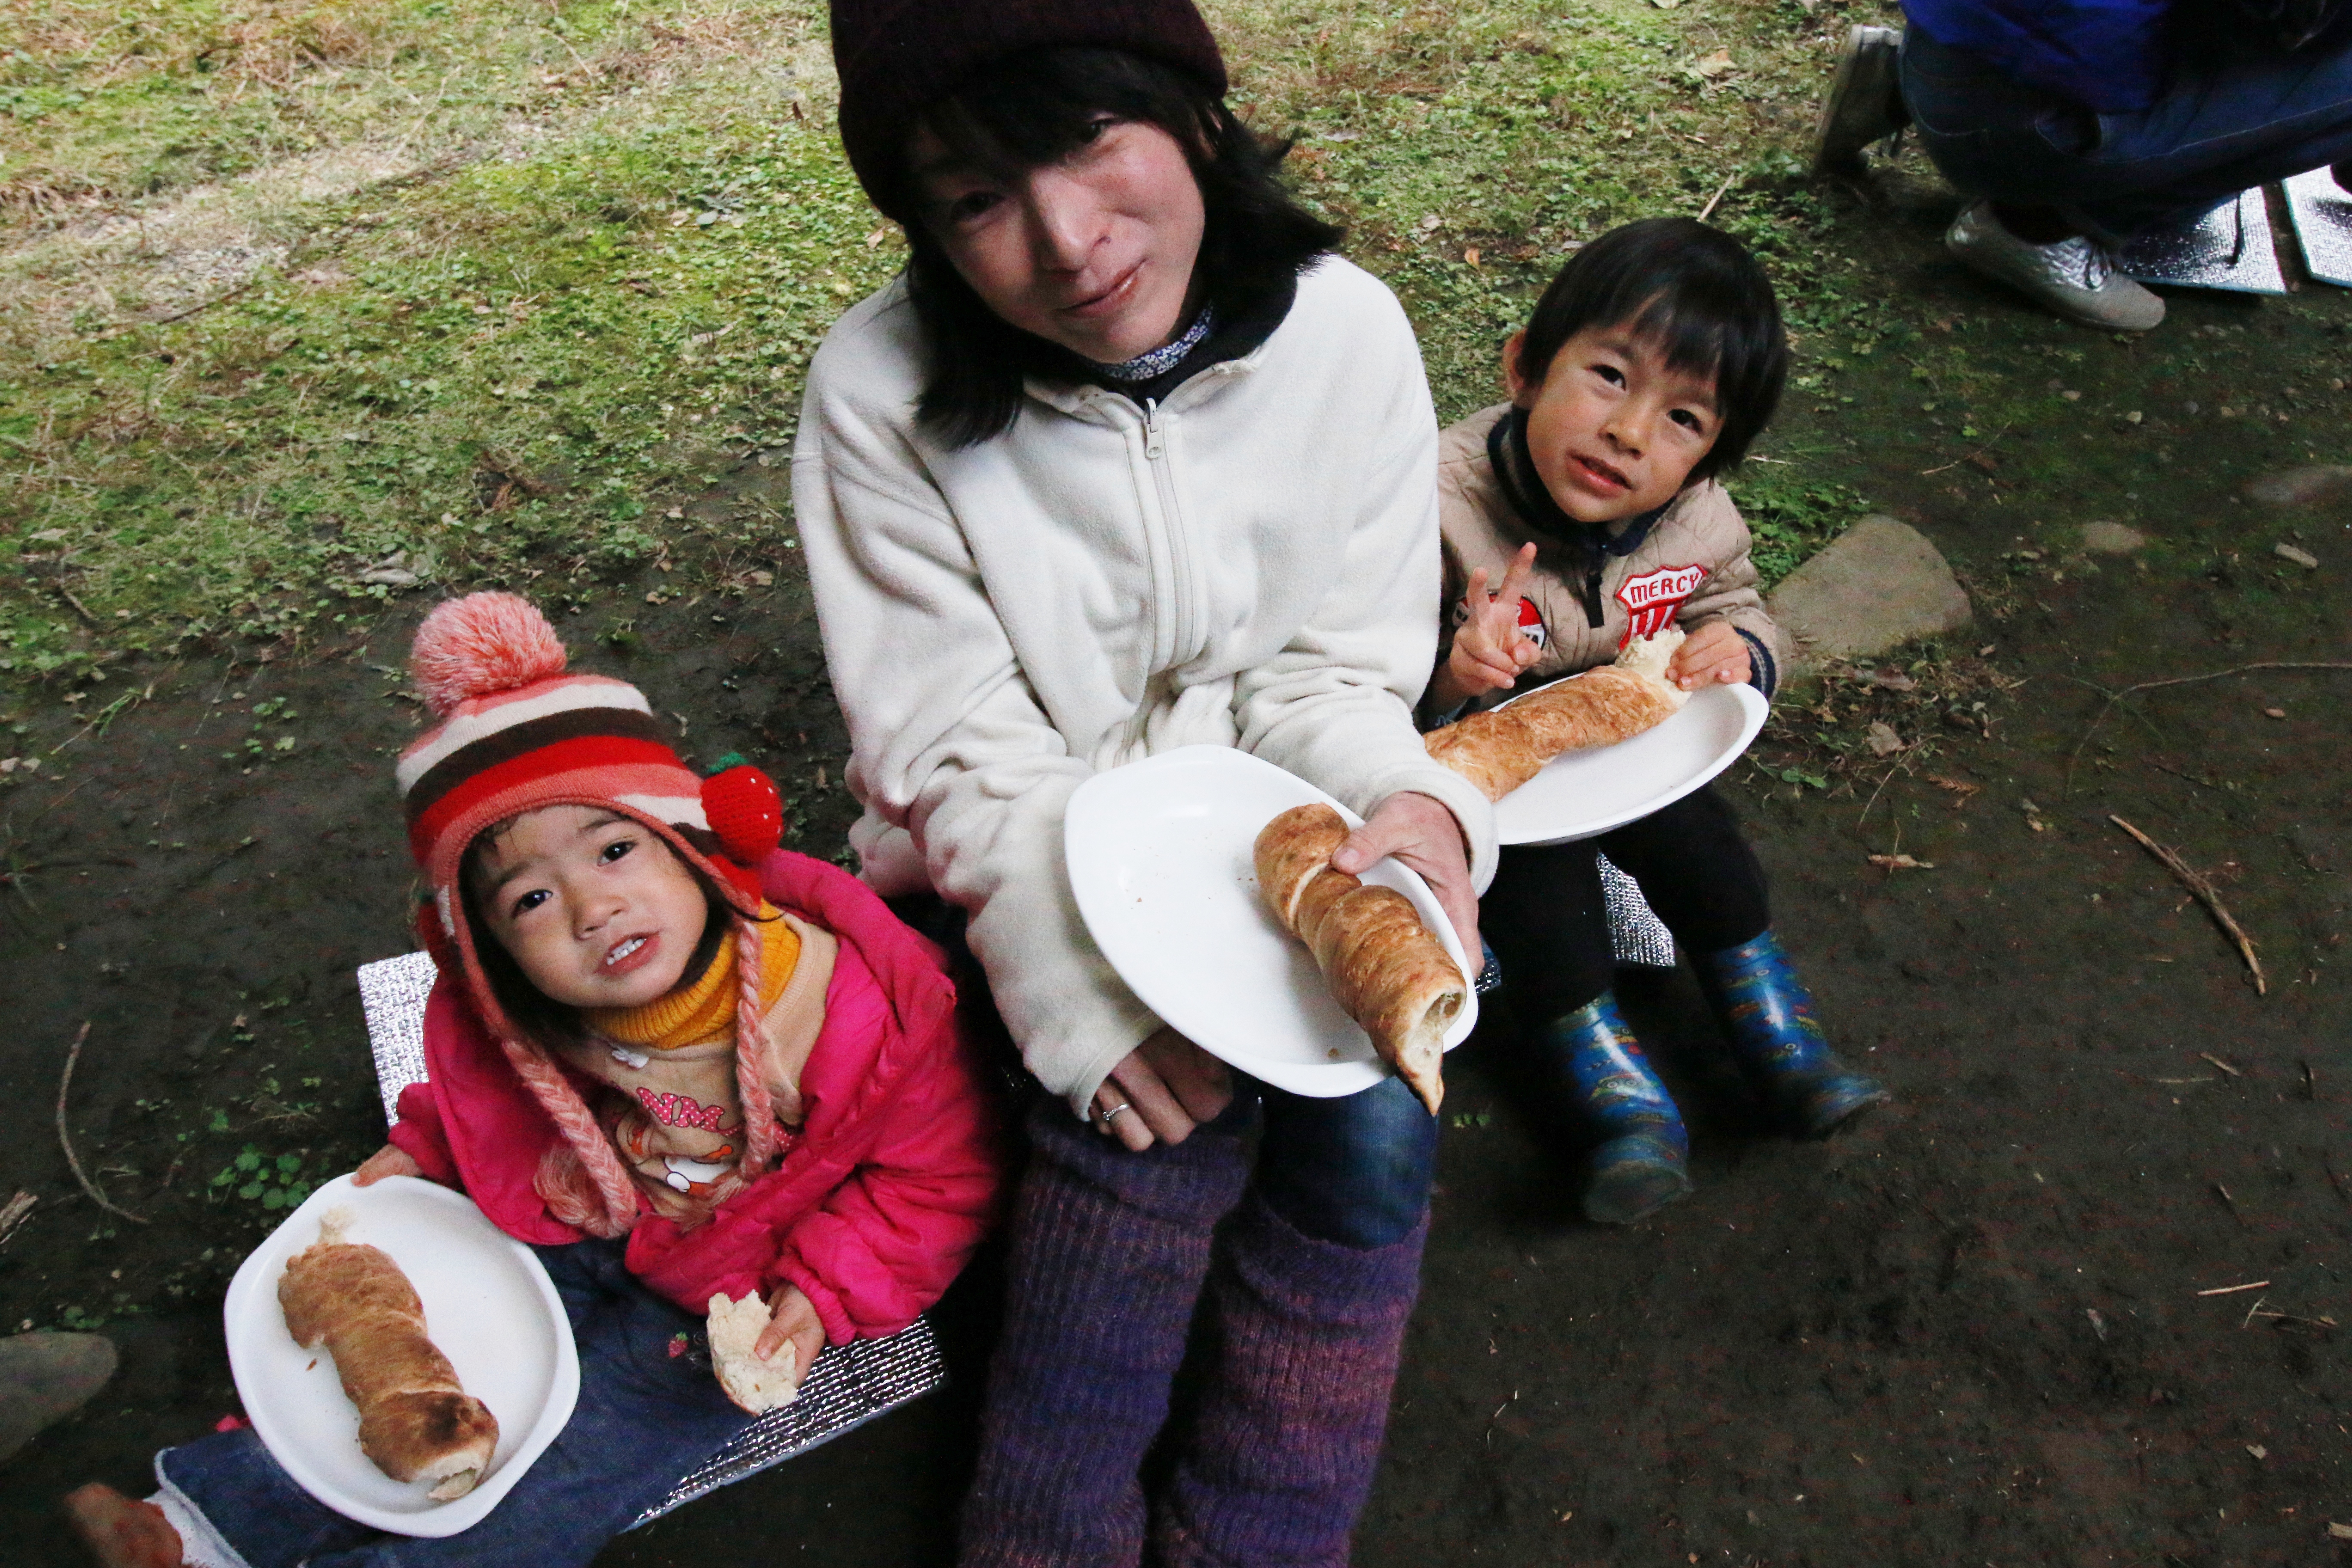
[1651, 363]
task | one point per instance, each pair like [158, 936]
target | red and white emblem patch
[1652, 599]
[1531, 624]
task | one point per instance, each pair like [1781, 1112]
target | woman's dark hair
[1693, 292]
[1035, 108]
[543, 1021]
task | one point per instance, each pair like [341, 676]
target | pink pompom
[481, 644]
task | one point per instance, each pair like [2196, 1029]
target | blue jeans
[1354, 1171]
[644, 1417]
[2233, 115]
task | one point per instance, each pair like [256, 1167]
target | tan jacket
[1690, 565]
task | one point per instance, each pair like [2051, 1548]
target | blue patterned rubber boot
[1768, 1015]
[1640, 1165]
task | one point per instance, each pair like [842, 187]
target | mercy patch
[1652, 599]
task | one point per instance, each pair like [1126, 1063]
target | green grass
[528, 273]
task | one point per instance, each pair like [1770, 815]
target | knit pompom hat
[897, 58]
[515, 732]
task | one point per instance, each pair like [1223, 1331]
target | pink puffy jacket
[892, 1181]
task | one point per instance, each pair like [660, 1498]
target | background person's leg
[1307, 1305]
[2234, 115]
[1108, 1251]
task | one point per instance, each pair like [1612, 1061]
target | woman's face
[1093, 252]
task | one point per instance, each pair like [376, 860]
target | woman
[1125, 462]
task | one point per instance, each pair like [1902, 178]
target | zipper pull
[1151, 448]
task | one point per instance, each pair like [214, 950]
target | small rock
[45, 1377]
[2112, 539]
[2303, 487]
[2303, 558]
[1879, 584]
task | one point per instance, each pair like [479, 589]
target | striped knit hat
[516, 734]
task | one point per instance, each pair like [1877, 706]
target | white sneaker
[2075, 277]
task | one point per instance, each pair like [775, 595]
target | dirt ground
[1976, 1332]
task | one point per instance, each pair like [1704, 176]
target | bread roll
[1504, 747]
[417, 1423]
[756, 1385]
[1380, 963]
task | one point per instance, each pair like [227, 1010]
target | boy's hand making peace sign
[1489, 650]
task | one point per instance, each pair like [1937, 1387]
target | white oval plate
[1162, 857]
[488, 1305]
[1582, 794]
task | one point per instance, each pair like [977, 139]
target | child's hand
[391, 1160]
[1489, 650]
[1713, 654]
[792, 1319]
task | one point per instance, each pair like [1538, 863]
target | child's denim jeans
[644, 1417]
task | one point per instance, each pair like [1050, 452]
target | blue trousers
[2234, 114]
[644, 1417]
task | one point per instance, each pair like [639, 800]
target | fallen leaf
[2339, 1532]
[1902, 862]
[1430, 222]
[2274, 712]
[2071, 396]
[763, 579]
[1889, 680]
[2303, 558]
[1714, 64]
[1884, 740]
[1471, 255]
[877, 236]
[2258, 1451]
[1960, 787]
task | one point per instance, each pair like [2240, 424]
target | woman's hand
[1418, 830]
[1489, 650]
[392, 1159]
[1160, 1090]
[1713, 654]
[792, 1319]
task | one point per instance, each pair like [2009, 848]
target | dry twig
[2116, 697]
[2203, 892]
[14, 1214]
[65, 1083]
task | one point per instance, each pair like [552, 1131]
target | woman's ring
[1114, 1110]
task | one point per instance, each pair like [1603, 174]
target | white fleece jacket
[1253, 563]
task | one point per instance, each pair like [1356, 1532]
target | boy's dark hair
[543, 1021]
[1033, 109]
[1698, 295]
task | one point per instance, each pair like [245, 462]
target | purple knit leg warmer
[1109, 1251]
[1281, 1453]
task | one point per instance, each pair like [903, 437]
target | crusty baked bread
[1502, 748]
[417, 1423]
[753, 1384]
[1381, 964]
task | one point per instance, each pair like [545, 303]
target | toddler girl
[679, 1061]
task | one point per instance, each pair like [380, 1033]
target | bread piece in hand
[417, 1423]
[756, 1385]
[1504, 747]
[1380, 963]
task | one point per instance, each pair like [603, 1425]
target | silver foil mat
[1635, 931]
[2321, 212]
[393, 992]
[2229, 249]
[847, 1387]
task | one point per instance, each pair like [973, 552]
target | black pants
[1549, 922]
